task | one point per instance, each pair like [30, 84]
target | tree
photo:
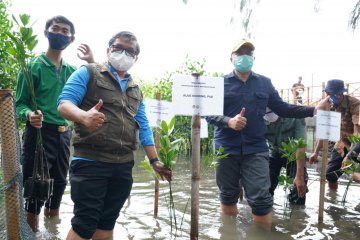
[354, 16]
[246, 7]
[8, 67]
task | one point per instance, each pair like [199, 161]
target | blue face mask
[58, 41]
[244, 63]
[335, 100]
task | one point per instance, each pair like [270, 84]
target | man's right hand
[239, 121]
[94, 119]
[35, 118]
[86, 53]
[313, 158]
[346, 163]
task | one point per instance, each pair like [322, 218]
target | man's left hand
[164, 173]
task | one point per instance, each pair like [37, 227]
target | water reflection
[291, 222]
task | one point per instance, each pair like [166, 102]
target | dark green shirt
[48, 83]
[283, 129]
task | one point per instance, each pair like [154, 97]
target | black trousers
[57, 152]
[333, 169]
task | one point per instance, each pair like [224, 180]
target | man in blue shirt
[241, 131]
[109, 114]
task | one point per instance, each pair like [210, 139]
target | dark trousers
[57, 152]
[333, 169]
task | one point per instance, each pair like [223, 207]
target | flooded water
[136, 219]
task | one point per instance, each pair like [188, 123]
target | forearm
[150, 152]
[300, 163]
[71, 112]
[319, 146]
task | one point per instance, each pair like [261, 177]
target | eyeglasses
[118, 48]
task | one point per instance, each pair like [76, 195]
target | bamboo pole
[323, 177]
[157, 146]
[323, 180]
[195, 177]
[308, 96]
[195, 173]
[8, 146]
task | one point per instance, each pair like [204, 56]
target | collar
[233, 75]
[44, 59]
[344, 103]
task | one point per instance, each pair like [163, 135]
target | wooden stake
[323, 179]
[325, 150]
[157, 146]
[195, 174]
[195, 177]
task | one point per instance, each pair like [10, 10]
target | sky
[290, 38]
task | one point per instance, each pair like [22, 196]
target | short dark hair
[125, 34]
[60, 19]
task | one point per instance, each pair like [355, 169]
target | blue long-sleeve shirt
[254, 95]
[75, 90]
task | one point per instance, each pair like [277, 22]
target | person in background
[108, 112]
[241, 132]
[348, 106]
[298, 90]
[49, 74]
[353, 154]
[280, 130]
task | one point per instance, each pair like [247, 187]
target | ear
[231, 58]
[72, 38]
[46, 33]
[136, 58]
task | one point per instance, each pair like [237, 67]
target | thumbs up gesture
[93, 118]
[239, 121]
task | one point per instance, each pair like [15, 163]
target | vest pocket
[134, 99]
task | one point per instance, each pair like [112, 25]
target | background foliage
[8, 66]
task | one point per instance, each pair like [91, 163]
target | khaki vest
[118, 137]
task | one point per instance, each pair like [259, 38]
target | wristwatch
[154, 160]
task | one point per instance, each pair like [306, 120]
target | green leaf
[171, 124]
[24, 19]
[164, 127]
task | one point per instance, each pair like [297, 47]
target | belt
[54, 127]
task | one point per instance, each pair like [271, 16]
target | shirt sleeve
[300, 129]
[145, 135]
[218, 121]
[287, 110]
[354, 152]
[22, 97]
[354, 107]
[75, 87]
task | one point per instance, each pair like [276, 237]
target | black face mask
[58, 41]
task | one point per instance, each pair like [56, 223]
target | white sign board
[328, 125]
[198, 96]
[156, 111]
[203, 128]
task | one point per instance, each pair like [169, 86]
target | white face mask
[121, 61]
[270, 116]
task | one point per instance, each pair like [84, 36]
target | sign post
[327, 128]
[197, 96]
